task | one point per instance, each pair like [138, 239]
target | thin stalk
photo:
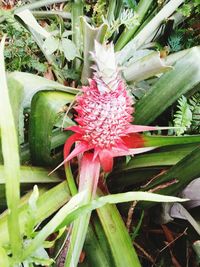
[11, 161]
[38, 4]
[77, 12]
[89, 174]
[127, 34]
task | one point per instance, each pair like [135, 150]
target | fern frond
[174, 42]
[195, 107]
[183, 116]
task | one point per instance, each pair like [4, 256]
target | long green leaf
[142, 168]
[11, 161]
[161, 157]
[38, 4]
[27, 17]
[184, 172]
[97, 249]
[32, 175]
[169, 87]
[147, 66]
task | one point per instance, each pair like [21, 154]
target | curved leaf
[46, 109]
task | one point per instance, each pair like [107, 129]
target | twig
[130, 215]
[154, 178]
[146, 254]
[163, 186]
[169, 244]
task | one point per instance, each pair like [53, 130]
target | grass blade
[11, 160]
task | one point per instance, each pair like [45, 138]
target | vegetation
[60, 211]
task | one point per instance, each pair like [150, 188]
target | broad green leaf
[69, 49]
[51, 44]
[145, 67]
[33, 83]
[118, 237]
[169, 88]
[27, 17]
[32, 175]
[22, 87]
[29, 176]
[96, 246]
[160, 157]
[46, 109]
[11, 160]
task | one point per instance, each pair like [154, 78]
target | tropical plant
[53, 224]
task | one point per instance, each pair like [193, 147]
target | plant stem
[89, 174]
[127, 34]
[11, 161]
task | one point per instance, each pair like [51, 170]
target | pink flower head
[104, 116]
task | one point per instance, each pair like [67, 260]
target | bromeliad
[104, 115]
[104, 131]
